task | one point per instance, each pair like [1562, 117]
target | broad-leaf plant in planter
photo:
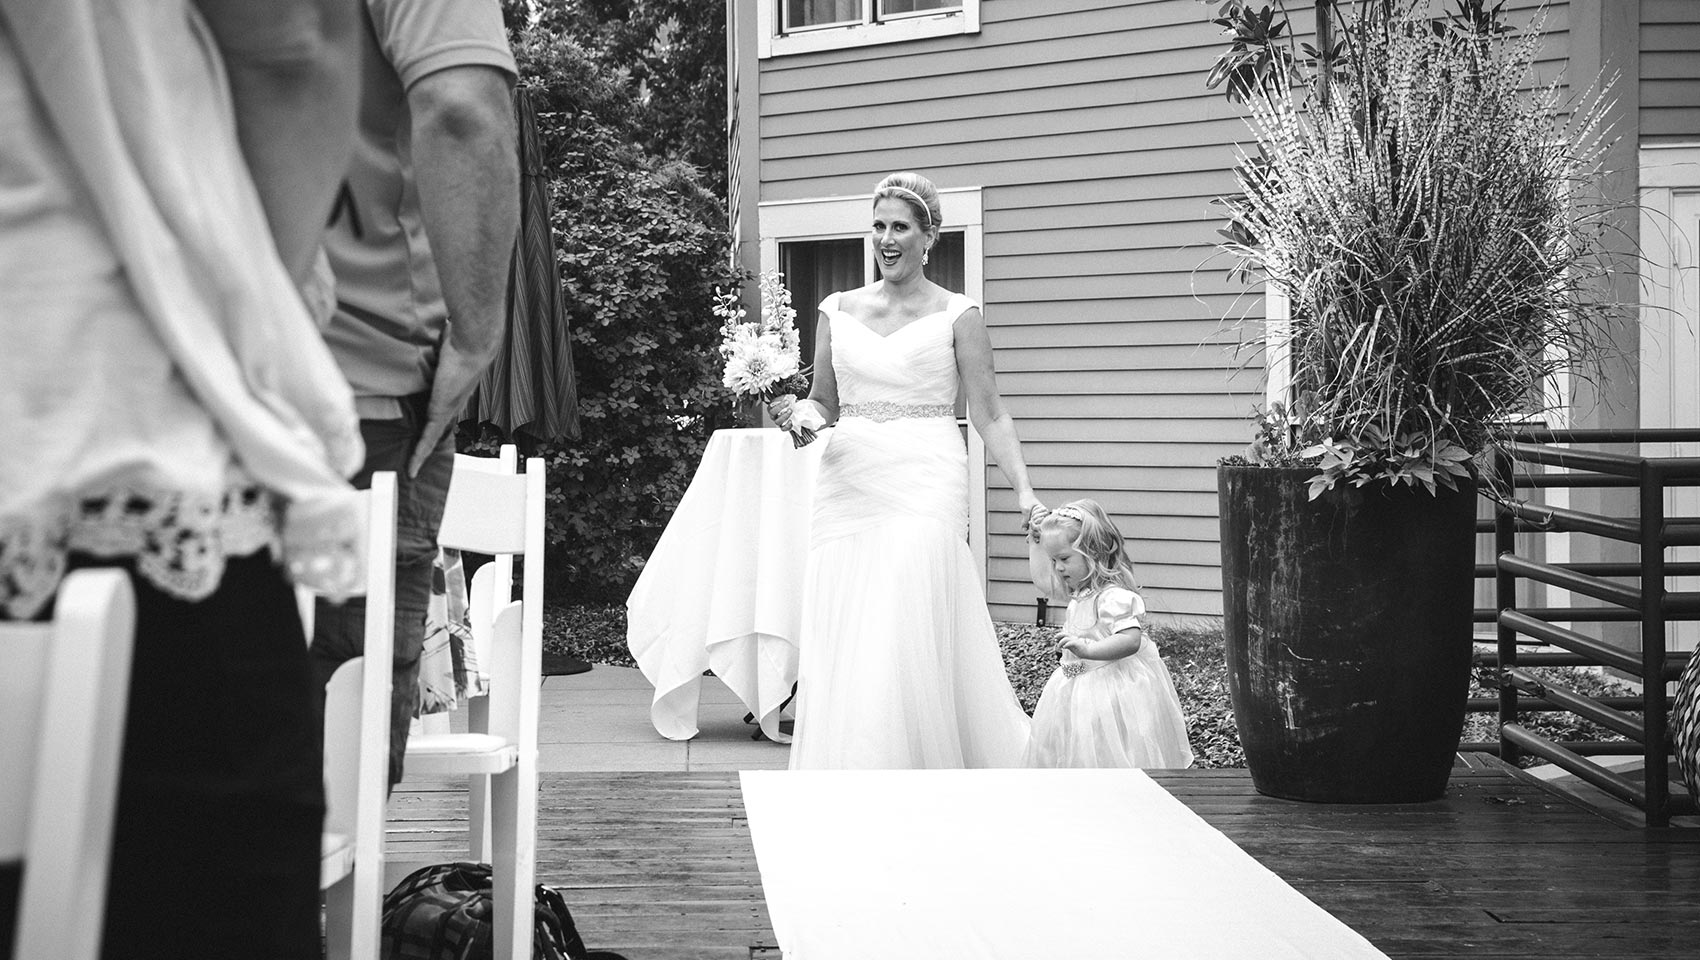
[1429, 208]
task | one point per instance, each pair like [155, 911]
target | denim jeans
[339, 629]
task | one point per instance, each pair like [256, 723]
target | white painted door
[1670, 325]
[1685, 322]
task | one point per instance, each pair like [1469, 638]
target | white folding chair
[357, 751]
[63, 693]
[501, 578]
[502, 515]
[491, 589]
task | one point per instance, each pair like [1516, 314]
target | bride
[899, 666]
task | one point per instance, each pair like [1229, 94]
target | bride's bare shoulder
[856, 301]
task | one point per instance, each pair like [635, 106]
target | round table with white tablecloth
[723, 590]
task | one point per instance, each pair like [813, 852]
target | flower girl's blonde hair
[1091, 532]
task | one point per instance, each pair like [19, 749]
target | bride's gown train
[898, 663]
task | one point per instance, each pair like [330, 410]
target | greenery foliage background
[631, 106]
[641, 243]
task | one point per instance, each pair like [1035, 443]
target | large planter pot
[1348, 625]
[1685, 726]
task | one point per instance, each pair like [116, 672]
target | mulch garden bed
[1193, 652]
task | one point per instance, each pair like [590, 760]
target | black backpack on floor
[444, 912]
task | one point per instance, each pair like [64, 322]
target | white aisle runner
[1016, 865]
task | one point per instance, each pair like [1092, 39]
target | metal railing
[1630, 592]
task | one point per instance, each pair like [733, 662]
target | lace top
[164, 394]
[179, 541]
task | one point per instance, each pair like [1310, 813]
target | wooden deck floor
[658, 866]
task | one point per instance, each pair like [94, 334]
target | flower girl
[1110, 703]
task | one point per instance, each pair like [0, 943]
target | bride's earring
[924, 258]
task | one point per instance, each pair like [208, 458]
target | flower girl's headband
[1070, 513]
[925, 211]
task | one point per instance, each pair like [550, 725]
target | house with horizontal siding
[1078, 152]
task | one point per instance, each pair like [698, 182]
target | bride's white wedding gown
[898, 662]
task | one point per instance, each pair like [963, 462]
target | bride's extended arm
[824, 390]
[985, 406]
[1044, 577]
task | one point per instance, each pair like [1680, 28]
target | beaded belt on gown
[882, 410]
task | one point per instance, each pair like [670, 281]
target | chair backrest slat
[504, 513]
[484, 513]
[70, 785]
[531, 590]
[357, 737]
[23, 649]
[482, 604]
[506, 463]
[357, 701]
[507, 712]
[342, 748]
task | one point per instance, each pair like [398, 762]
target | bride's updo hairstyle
[1092, 532]
[916, 191]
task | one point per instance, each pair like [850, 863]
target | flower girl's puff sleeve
[1119, 609]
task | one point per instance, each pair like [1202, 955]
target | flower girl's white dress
[1109, 713]
[898, 663]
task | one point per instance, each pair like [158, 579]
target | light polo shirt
[390, 314]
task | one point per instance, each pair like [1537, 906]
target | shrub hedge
[641, 246]
[1193, 653]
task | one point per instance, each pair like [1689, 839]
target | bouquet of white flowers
[763, 356]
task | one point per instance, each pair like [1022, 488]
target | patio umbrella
[529, 393]
[530, 388]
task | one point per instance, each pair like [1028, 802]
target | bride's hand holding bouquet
[763, 358]
[801, 417]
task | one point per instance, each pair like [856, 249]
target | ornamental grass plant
[1432, 210]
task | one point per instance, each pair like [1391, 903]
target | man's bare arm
[466, 165]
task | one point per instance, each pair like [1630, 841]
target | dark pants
[215, 848]
[339, 629]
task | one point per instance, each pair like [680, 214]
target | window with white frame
[816, 14]
[802, 26]
[814, 268]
